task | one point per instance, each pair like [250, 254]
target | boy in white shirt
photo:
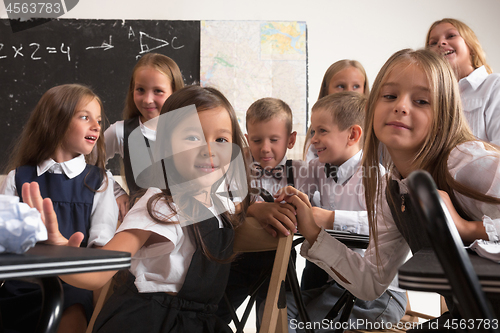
[337, 127]
[270, 134]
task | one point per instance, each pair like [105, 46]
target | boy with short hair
[337, 127]
[269, 135]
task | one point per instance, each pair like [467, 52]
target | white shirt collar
[476, 78]
[71, 168]
[349, 167]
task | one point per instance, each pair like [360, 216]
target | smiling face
[151, 89]
[330, 142]
[269, 140]
[82, 133]
[203, 153]
[446, 40]
[403, 113]
[349, 79]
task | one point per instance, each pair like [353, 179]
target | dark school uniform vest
[192, 309]
[406, 218]
[128, 126]
[72, 198]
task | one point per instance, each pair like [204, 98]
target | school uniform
[248, 267]
[469, 163]
[173, 286]
[73, 188]
[480, 95]
[342, 191]
[116, 141]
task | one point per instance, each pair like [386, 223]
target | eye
[159, 91]
[389, 97]
[221, 140]
[192, 138]
[274, 140]
[451, 35]
[356, 86]
[340, 86]
[99, 122]
[312, 133]
[84, 117]
[421, 102]
[139, 90]
[432, 43]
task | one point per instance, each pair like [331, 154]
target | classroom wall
[365, 30]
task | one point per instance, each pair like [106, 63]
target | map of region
[249, 60]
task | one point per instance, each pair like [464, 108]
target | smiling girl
[180, 235]
[414, 118]
[62, 131]
[479, 87]
[154, 78]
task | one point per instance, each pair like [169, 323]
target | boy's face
[329, 141]
[269, 140]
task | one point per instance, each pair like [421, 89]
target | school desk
[43, 263]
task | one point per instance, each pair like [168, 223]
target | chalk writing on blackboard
[105, 46]
[147, 43]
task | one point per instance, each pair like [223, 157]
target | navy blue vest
[72, 198]
[128, 126]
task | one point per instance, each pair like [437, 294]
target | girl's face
[203, 154]
[151, 90]
[446, 40]
[402, 115]
[83, 132]
[348, 79]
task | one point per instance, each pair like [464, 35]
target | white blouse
[104, 214]
[469, 163]
[480, 95]
[162, 267]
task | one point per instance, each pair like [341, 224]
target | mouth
[266, 159]
[206, 168]
[90, 138]
[320, 150]
[398, 124]
[447, 53]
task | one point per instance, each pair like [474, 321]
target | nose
[206, 150]
[266, 146]
[401, 105]
[148, 97]
[95, 125]
[314, 138]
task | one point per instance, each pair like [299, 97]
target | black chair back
[449, 248]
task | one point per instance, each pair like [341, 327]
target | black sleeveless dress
[191, 310]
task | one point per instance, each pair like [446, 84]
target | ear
[246, 137]
[291, 140]
[355, 133]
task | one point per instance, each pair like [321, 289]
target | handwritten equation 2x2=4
[35, 51]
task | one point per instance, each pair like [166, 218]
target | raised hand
[31, 196]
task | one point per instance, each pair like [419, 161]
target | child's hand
[323, 218]
[289, 191]
[123, 206]
[468, 230]
[305, 219]
[31, 196]
[274, 216]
